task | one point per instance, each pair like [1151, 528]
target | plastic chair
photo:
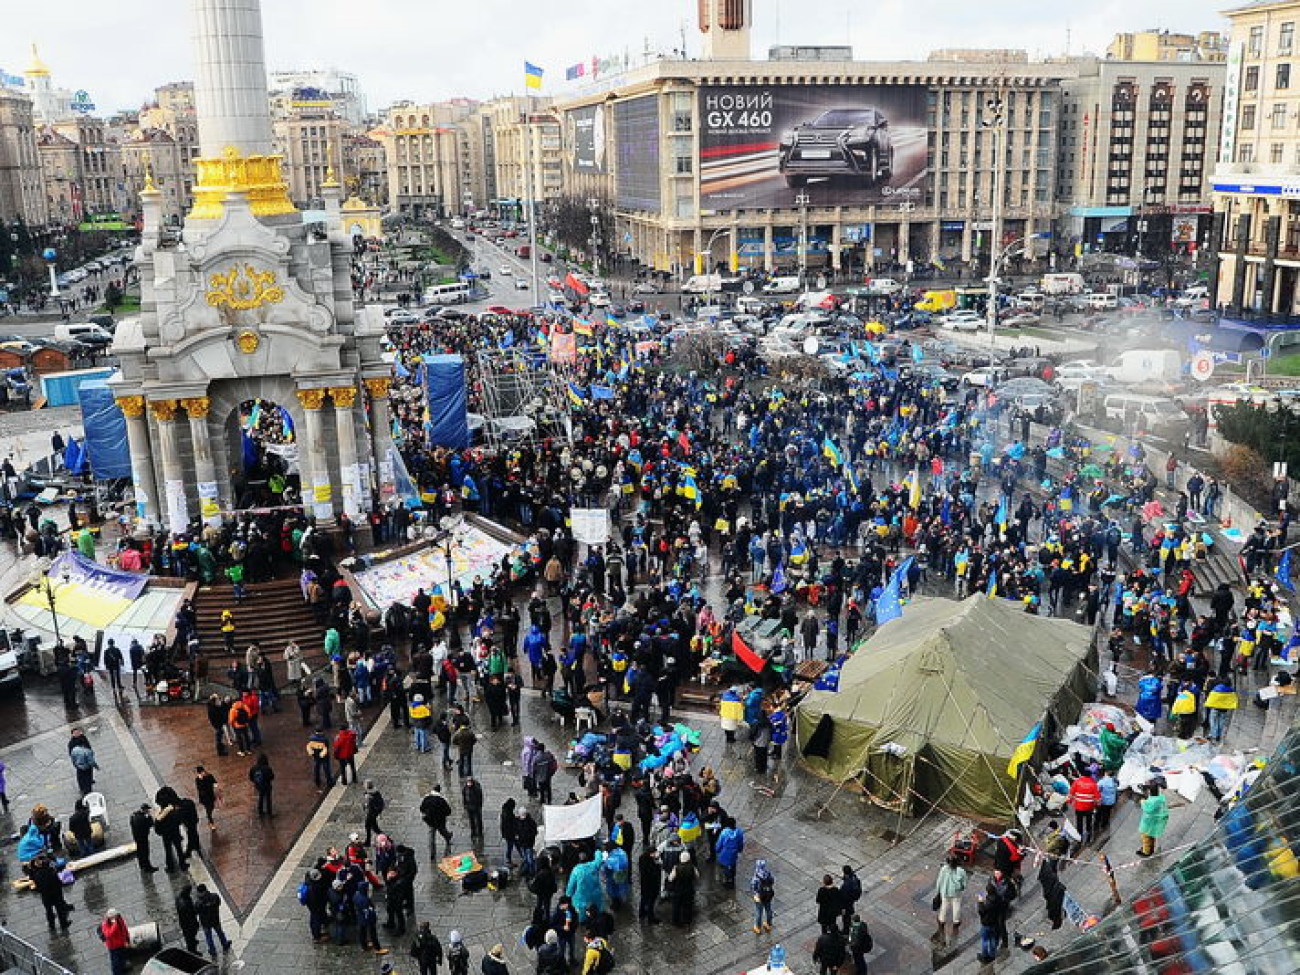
[584, 718]
[98, 807]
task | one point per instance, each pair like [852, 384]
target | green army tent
[931, 708]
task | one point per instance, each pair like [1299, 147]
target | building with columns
[22, 188]
[247, 305]
[1257, 179]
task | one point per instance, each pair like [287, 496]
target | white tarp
[580, 821]
[590, 525]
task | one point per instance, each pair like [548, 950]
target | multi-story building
[523, 153]
[429, 158]
[156, 153]
[49, 104]
[100, 176]
[815, 163]
[365, 167]
[1136, 146]
[22, 191]
[341, 88]
[309, 135]
[1257, 179]
[1161, 45]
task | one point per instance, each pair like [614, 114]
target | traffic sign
[1265, 352]
[1202, 366]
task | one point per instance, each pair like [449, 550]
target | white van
[1101, 301]
[86, 332]
[1154, 413]
[698, 284]
[786, 285]
[1066, 283]
[883, 286]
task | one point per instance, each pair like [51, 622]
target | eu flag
[1284, 572]
[890, 604]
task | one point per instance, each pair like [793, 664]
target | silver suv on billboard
[840, 142]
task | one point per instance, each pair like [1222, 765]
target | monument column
[381, 434]
[317, 494]
[137, 437]
[345, 400]
[205, 471]
[164, 414]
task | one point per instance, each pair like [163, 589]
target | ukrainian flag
[1003, 515]
[798, 550]
[575, 395]
[853, 479]
[533, 75]
[1024, 751]
[832, 452]
[915, 499]
[690, 490]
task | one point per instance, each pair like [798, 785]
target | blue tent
[105, 443]
[444, 385]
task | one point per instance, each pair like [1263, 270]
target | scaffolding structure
[519, 397]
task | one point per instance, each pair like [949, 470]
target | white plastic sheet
[580, 821]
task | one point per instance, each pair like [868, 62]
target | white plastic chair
[584, 718]
[98, 807]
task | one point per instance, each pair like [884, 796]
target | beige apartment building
[22, 190]
[522, 153]
[156, 153]
[429, 154]
[310, 138]
[1163, 45]
[1137, 143]
[1257, 180]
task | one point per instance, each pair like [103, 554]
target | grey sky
[433, 49]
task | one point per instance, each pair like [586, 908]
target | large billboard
[636, 136]
[761, 145]
[586, 136]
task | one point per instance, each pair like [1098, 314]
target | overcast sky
[119, 50]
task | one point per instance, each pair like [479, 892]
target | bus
[447, 294]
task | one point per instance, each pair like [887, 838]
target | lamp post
[992, 119]
[997, 259]
[444, 544]
[593, 205]
[707, 254]
[48, 590]
[802, 200]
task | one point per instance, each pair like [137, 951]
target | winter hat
[684, 858]
[454, 937]
[551, 937]
[418, 699]
[498, 951]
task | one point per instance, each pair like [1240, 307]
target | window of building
[1247, 118]
[1285, 37]
[1255, 45]
[1251, 81]
[1275, 152]
[1282, 80]
[684, 166]
[1245, 153]
[1277, 118]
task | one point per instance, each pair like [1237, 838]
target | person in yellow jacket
[1182, 714]
[598, 959]
[731, 712]
[421, 721]
[1220, 704]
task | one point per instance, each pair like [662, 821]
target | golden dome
[37, 67]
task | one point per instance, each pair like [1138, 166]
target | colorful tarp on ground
[473, 553]
[931, 708]
[85, 591]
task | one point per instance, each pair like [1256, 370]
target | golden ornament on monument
[242, 288]
[248, 341]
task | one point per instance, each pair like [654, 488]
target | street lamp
[40, 580]
[996, 260]
[593, 205]
[707, 254]
[992, 120]
[444, 543]
[802, 200]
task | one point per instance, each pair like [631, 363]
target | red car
[499, 310]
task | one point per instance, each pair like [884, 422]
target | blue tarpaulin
[445, 388]
[105, 444]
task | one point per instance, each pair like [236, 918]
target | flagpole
[532, 214]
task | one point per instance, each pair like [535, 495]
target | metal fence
[18, 954]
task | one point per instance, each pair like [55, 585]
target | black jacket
[435, 809]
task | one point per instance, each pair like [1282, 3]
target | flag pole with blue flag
[1024, 751]
[890, 604]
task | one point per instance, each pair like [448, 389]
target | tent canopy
[933, 705]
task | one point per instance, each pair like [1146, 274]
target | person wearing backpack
[372, 805]
[426, 949]
[435, 810]
[860, 942]
[599, 960]
[763, 888]
[457, 955]
[209, 908]
[850, 894]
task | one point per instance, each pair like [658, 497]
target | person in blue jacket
[731, 841]
[753, 705]
[1149, 697]
[780, 723]
[584, 889]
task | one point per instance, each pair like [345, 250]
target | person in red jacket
[113, 932]
[1085, 797]
[345, 751]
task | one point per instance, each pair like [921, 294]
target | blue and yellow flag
[690, 490]
[914, 501]
[831, 452]
[1004, 514]
[532, 75]
[576, 396]
[1024, 751]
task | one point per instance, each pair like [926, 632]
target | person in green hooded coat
[1155, 817]
[207, 565]
[1113, 747]
[86, 543]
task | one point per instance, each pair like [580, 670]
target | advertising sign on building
[587, 140]
[636, 126]
[1183, 230]
[762, 145]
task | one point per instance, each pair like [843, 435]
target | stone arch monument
[247, 303]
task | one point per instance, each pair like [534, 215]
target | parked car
[645, 288]
[1022, 319]
[522, 284]
[964, 321]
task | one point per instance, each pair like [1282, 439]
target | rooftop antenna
[1067, 40]
[682, 32]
